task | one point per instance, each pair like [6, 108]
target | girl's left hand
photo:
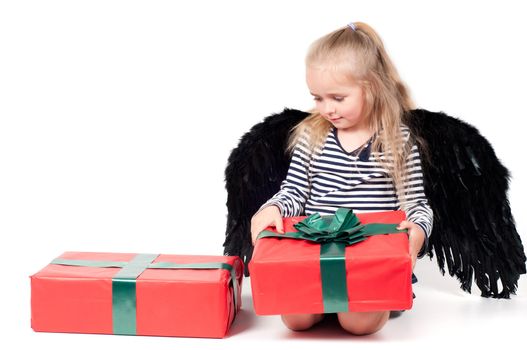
[416, 237]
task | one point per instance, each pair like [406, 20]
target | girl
[353, 151]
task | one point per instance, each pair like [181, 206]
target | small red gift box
[142, 294]
[286, 273]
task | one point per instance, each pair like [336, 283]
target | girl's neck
[356, 131]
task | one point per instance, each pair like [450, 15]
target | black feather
[255, 170]
[474, 232]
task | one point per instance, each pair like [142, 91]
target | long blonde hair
[359, 56]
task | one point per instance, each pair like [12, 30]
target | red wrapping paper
[170, 302]
[285, 273]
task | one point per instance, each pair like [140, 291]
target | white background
[117, 118]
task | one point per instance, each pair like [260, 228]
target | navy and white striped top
[332, 178]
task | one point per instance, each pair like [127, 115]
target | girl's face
[337, 100]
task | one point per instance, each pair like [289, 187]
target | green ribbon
[334, 233]
[124, 284]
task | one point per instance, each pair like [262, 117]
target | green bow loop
[342, 227]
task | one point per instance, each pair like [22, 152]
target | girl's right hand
[269, 216]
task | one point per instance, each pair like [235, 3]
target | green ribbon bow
[334, 233]
[124, 284]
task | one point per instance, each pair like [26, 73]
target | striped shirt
[332, 178]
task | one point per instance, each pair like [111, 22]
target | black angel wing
[466, 185]
[255, 170]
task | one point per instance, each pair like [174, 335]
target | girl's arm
[294, 190]
[416, 204]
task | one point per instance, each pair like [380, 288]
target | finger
[279, 225]
[254, 234]
[403, 224]
[413, 256]
[256, 230]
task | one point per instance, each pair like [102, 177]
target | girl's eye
[336, 98]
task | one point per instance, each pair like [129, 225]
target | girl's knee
[363, 323]
[301, 322]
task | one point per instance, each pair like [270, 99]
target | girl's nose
[328, 108]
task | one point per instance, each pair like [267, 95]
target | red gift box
[286, 273]
[168, 298]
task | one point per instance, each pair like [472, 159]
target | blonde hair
[359, 55]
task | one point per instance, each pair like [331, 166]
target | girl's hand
[269, 216]
[416, 237]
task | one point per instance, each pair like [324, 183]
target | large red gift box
[286, 273]
[173, 295]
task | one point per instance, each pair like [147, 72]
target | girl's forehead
[325, 79]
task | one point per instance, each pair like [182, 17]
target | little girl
[352, 151]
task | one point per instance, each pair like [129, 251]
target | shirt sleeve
[294, 190]
[415, 204]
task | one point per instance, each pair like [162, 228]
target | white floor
[442, 315]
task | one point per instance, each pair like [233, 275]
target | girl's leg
[301, 322]
[363, 323]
